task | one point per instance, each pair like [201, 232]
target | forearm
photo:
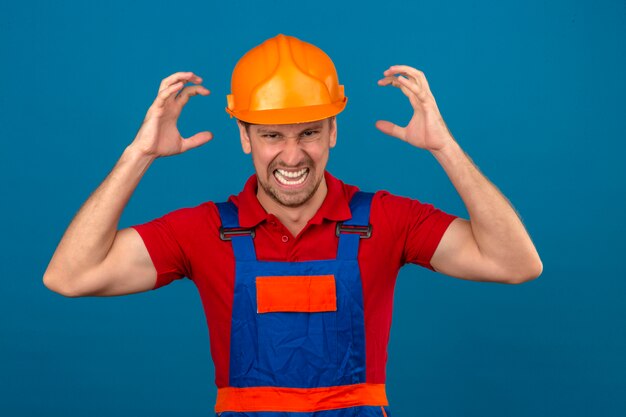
[498, 231]
[90, 235]
[493, 245]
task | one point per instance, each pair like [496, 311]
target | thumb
[196, 140]
[391, 129]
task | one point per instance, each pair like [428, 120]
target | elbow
[531, 271]
[60, 286]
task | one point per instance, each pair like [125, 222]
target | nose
[292, 153]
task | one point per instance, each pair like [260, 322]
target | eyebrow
[316, 126]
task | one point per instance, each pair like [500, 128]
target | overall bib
[297, 344]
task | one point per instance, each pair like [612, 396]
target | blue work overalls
[299, 360]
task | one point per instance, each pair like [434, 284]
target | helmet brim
[290, 116]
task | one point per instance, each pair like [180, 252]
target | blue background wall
[533, 90]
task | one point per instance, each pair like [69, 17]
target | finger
[387, 80]
[414, 88]
[391, 129]
[164, 95]
[391, 80]
[179, 76]
[414, 73]
[408, 72]
[402, 83]
[190, 91]
[196, 140]
[397, 70]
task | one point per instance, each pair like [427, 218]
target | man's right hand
[159, 135]
[93, 257]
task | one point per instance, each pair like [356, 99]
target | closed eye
[310, 133]
[270, 135]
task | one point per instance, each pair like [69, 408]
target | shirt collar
[335, 206]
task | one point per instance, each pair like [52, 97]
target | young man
[296, 273]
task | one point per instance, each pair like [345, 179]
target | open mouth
[291, 178]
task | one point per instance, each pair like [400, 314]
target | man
[296, 273]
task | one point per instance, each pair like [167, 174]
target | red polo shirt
[186, 243]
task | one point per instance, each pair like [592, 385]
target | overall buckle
[364, 232]
[227, 233]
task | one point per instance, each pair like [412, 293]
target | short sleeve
[419, 225]
[168, 258]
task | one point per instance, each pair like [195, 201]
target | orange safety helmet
[285, 80]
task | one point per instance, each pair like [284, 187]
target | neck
[294, 218]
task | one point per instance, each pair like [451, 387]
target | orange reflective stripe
[299, 399]
[384, 412]
[308, 293]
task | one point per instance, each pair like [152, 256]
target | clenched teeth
[295, 174]
[291, 178]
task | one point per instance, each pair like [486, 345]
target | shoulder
[411, 223]
[184, 220]
[398, 208]
[192, 214]
[385, 205]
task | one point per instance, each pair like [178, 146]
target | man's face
[290, 159]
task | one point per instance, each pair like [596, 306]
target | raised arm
[493, 245]
[93, 257]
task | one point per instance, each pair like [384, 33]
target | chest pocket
[297, 329]
[302, 294]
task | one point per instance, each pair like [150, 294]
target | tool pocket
[297, 329]
[304, 294]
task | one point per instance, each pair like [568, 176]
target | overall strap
[243, 247]
[358, 227]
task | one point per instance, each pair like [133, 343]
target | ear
[245, 138]
[333, 132]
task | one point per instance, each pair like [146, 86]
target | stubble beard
[286, 198]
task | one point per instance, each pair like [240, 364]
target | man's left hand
[426, 129]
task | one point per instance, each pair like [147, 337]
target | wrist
[135, 154]
[448, 151]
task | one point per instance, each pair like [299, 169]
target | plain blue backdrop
[533, 90]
